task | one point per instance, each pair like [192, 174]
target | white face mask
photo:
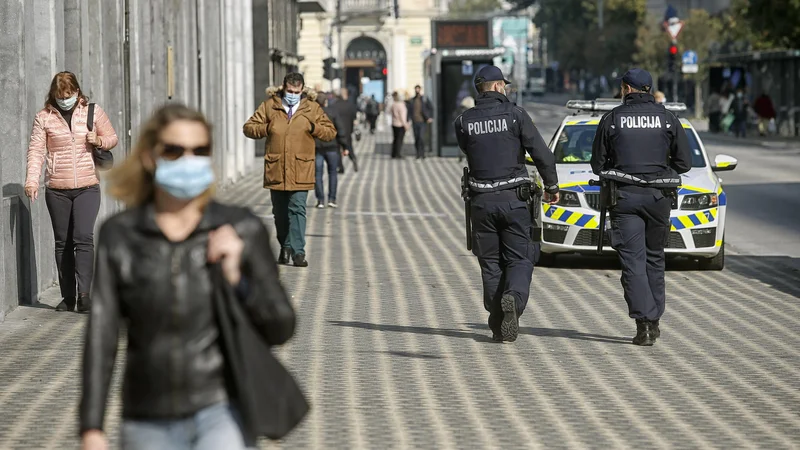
[67, 103]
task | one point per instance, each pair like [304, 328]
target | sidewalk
[393, 351]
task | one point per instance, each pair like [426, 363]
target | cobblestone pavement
[393, 350]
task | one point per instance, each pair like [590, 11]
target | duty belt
[658, 183]
[485, 186]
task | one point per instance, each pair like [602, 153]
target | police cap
[638, 79]
[490, 73]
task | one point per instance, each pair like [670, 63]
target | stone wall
[212, 50]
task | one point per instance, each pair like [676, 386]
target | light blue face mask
[67, 103]
[291, 99]
[186, 177]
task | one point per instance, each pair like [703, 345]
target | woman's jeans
[332, 160]
[215, 427]
[73, 213]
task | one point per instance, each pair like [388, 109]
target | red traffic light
[673, 49]
[385, 71]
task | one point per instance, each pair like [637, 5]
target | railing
[352, 6]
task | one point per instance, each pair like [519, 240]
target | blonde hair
[131, 182]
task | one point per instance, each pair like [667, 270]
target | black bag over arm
[103, 159]
[265, 393]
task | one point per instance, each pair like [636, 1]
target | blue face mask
[67, 103]
[186, 177]
[291, 99]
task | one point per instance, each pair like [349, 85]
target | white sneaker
[320, 205]
[332, 205]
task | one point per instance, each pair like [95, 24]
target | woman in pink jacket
[61, 137]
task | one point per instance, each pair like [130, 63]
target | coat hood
[309, 93]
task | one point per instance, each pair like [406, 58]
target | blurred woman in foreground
[154, 270]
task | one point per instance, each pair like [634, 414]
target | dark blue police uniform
[641, 147]
[495, 135]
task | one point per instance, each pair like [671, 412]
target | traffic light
[672, 56]
[328, 71]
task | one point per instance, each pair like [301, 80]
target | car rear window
[574, 145]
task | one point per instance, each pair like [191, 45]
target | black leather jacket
[161, 292]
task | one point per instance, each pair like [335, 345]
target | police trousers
[501, 226]
[639, 232]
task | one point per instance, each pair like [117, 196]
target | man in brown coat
[290, 119]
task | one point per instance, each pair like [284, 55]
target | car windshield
[574, 145]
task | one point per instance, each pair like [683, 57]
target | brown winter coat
[289, 159]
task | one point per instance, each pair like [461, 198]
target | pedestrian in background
[348, 114]
[61, 137]
[372, 112]
[660, 97]
[290, 119]
[739, 107]
[467, 103]
[766, 113]
[156, 266]
[328, 152]
[420, 114]
[714, 112]
[400, 124]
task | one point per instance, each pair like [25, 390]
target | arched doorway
[365, 68]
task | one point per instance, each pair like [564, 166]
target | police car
[572, 225]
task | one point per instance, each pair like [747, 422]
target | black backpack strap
[90, 117]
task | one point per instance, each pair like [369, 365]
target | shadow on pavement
[412, 355]
[611, 262]
[561, 333]
[482, 337]
[781, 273]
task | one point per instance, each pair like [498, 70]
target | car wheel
[715, 263]
[546, 259]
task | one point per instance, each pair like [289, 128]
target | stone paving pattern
[393, 350]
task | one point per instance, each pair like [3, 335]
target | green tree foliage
[652, 43]
[464, 8]
[700, 32]
[772, 23]
[576, 41]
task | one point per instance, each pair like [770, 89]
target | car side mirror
[724, 163]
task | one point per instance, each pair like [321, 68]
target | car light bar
[607, 104]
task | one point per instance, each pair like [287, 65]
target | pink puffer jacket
[70, 164]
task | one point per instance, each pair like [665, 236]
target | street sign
[689, 62]
[416, 40]
[674, 27]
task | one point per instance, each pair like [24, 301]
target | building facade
[370, 39]
[198, 52]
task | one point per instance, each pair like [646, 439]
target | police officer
[641, 147]
[495, 135]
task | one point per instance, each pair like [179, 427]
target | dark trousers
[639, 232]
[397, 141]
[351, 154]
[289, 208]
[419, 138]
[331, 158]
[372, 119]
[73, 213]
[740, 127]
[501, 226]
[714, 121]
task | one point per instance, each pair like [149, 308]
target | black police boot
[300, 260]
[286, 255]
[644, 333]
[84, 303]
[509, 329]
[68, 304]
[656, 330]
